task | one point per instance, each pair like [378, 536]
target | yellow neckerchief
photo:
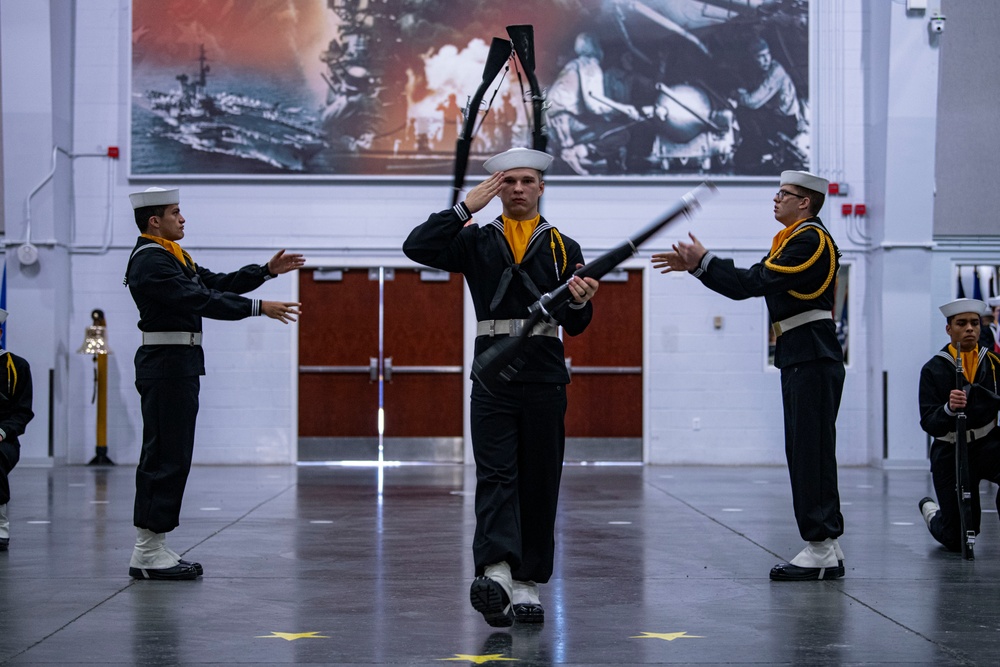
[783, 235]
[518, 233]
[182, 256]
[11, 371]
[786, 235]
[970, 362]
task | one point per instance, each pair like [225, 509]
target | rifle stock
[501, 361]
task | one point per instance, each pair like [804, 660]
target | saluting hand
[284, 312]
[480, 196]
[282, 263]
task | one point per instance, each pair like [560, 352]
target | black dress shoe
[176, 573]
[529, 613]
[789, 572]
[197, 566]
[490, 599]
[4, 543]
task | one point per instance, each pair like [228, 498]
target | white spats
[4, 523]
[928, 508]
[837, 550]
[500, 573]
[817, 554]
[151, 551]
[525, 592]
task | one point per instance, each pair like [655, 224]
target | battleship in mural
[233, 124]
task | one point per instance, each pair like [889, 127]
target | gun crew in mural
[631, 88]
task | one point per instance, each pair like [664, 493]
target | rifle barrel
[500, 360]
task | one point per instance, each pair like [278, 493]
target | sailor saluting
[518, 434]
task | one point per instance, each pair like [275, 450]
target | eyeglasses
[781, 194]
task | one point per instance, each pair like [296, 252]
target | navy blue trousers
[518, 439]
[811, 393]
[169, 411]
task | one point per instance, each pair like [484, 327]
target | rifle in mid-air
[500, 50]
[521, 44]
[502, 360]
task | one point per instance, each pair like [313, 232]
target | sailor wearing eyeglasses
[797, 279]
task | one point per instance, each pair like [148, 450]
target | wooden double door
[381, 373]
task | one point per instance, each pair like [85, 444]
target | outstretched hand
[282, 311]
[482, 194]
[282, 263]
[684, 257]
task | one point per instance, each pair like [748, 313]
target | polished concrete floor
[656, 565]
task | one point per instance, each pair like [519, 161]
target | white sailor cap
[3, 315]
[958, 306]
[154, 197]
[806, 180]
[993, 301]
[518, 158]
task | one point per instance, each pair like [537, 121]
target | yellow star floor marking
[667, 636]
[292, 636]
[480, 659]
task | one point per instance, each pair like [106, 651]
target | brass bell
[96, 340]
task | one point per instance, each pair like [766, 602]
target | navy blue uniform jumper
[15, 413]
[937, 379]
[172, 296]
[518, 435]
[797, 277]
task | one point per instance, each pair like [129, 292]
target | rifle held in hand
[962, 484]
[501, 361]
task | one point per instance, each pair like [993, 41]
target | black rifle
[522, 39]
[962, 486]
[500, 50]
[501, 361]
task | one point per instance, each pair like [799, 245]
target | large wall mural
[378, 88]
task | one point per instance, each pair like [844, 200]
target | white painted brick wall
[248, 396]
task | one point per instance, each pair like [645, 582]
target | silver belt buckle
[191, 342]
[515, 327]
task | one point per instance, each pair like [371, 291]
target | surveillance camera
[937, 23]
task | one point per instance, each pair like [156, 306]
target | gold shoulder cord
[553, 237]
[823, 243]
[11, 371]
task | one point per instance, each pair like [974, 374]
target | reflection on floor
[656, 565]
